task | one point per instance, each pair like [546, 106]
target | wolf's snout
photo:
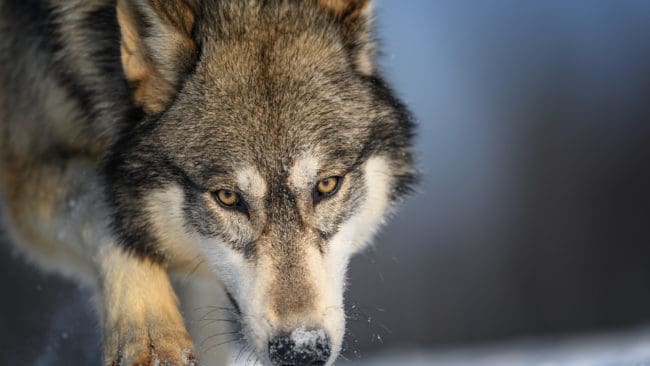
[302, 347]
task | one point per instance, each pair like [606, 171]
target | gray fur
[256, 83]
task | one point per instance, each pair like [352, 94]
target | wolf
[252, 141]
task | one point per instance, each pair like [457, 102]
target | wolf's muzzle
[302, 347]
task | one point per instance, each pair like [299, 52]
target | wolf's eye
[326, 187]
[227, 198]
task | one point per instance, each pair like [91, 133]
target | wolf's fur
[119, 121]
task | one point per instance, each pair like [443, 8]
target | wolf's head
[272, 149]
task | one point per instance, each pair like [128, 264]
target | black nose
[302, 347]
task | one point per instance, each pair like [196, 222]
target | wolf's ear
[157, 48]
[354, 17]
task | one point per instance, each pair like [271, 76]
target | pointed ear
[157, 48]
[354, 17]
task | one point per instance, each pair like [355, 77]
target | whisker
[252, 354]
[195, 268]
[214, 309]
[218, 334]
[221, 320]
[384, 327]
[223, 343]
[207, 322]
[240, 352]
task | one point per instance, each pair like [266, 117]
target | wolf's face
[274, 162]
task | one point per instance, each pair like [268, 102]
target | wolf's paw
[151, 348]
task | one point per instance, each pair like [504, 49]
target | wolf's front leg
[142, 321]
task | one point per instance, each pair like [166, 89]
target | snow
[306, 339]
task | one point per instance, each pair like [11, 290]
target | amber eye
[227, 198]
[326, 187]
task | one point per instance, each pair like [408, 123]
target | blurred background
[533, 217]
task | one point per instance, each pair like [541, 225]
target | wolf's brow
[187, 179]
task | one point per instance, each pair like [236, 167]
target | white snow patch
[306, 339]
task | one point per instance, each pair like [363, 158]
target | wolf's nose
[302, 347]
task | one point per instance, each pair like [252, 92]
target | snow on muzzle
[300, 347]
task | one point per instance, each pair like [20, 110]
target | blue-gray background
[533, 216]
